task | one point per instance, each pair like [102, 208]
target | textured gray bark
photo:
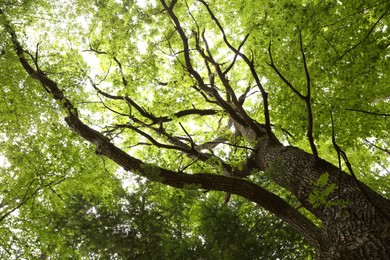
[357, 229]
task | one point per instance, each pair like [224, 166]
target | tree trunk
[356, 228]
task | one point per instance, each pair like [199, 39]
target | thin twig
[367, 112]
[367, 35]
[343, 155]
[308, 101]
[377, 147]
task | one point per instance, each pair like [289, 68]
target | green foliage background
[68, 202]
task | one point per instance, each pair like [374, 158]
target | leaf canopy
[124, 67]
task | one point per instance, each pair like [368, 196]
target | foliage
[124, 67]
[321, 191]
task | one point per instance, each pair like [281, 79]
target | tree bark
[358, 228]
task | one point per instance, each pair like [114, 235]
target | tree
[283, 104]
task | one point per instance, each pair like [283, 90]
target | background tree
[250, 98]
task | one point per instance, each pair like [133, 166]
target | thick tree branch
[48, 84]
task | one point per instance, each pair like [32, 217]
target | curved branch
[206, 181]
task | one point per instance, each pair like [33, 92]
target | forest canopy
[194, 129]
